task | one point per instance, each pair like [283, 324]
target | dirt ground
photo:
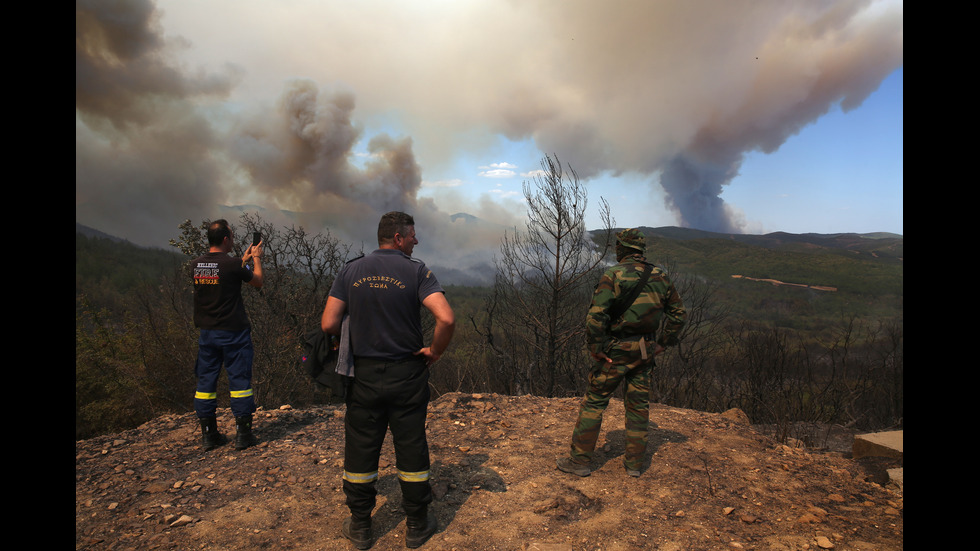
[711, 482]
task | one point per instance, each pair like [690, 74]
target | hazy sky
[736, 116]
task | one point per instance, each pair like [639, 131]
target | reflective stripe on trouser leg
[416, 493]
[242, 402]
[419, 476]
[388, 396]
[207, 368]
[238, 363]
[361, 478]
[364, 432]
[360, 491]
[407, 423]
[234, 350]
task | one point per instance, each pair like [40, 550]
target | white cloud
[497, 173]
[534, 174]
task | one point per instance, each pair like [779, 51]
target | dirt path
[777, 282]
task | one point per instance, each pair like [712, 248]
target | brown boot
[567, 465]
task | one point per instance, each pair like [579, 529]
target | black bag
[320, 362]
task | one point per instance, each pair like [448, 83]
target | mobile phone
[256, 237]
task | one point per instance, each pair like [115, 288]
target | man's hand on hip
[430, 357]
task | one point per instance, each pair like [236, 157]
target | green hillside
[782, 353]
[107, 269]
[865, 271]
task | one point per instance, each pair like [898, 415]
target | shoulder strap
[623, 305]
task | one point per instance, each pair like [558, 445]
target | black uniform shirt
[218, 302]
[384, 292]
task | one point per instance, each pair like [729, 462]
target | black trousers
[387, 395]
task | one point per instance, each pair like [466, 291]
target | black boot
[244, 438]
[358, 532]
[210, 437]
[419, 530]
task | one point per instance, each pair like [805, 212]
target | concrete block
[879, 444]
[897, 477]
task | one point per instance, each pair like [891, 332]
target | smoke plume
[184, 106]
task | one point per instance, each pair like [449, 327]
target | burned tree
[544, 278]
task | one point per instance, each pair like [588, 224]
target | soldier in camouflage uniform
[624, 350]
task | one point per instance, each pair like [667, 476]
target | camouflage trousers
[627, 366]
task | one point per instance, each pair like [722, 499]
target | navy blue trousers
[233, 349]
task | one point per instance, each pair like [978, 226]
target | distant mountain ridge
[676, 232]
[776, 239]
[770, 240]
[704, 252]
[881, 244]
[92, 232]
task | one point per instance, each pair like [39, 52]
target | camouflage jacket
[658, 302]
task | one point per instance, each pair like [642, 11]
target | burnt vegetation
[795, 359]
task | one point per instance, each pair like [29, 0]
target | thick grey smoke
[675, 92]
[694, 191]
[681, 91]
[151, 150]
[143, 149]
[300, 157]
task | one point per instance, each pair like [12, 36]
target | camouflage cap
[632, 238]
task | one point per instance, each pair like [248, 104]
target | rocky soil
[712, 482]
